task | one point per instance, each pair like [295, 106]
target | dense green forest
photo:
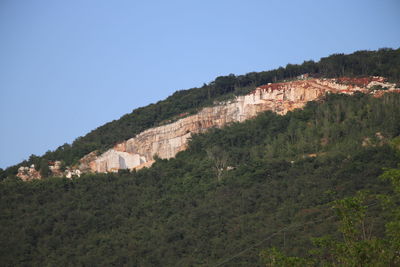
[357, 246]
[384, 62]
[267, 182]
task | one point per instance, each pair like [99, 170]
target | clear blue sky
[67, 67]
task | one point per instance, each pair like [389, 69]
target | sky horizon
[69, 67]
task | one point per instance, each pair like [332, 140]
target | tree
[219, 159]
[357, 247]
[44, 168]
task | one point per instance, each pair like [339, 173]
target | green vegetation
[378, 87]
[267, 182]
[357, 246]
[384, 62]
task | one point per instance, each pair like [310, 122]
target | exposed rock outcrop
[28, 173]
[55, 170]
[167, 140]
[71, 173]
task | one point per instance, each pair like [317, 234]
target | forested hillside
[384, 62]
[266, 182]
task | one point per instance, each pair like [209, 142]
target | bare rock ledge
[167, 140]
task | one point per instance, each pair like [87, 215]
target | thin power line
[277, 232]
[262, 241]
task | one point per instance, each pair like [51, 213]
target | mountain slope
[277, 171]
[167, 140]
[384, 62]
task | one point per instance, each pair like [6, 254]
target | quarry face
[167, 140]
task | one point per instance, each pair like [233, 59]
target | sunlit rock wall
[167, 140]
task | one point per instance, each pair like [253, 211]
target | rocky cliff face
[28, 173]
[167, 140]
[55, 170]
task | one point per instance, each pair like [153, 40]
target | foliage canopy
[284, 171]
[383, 62]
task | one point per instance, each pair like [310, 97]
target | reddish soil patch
[282, 85]
[361, 82]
